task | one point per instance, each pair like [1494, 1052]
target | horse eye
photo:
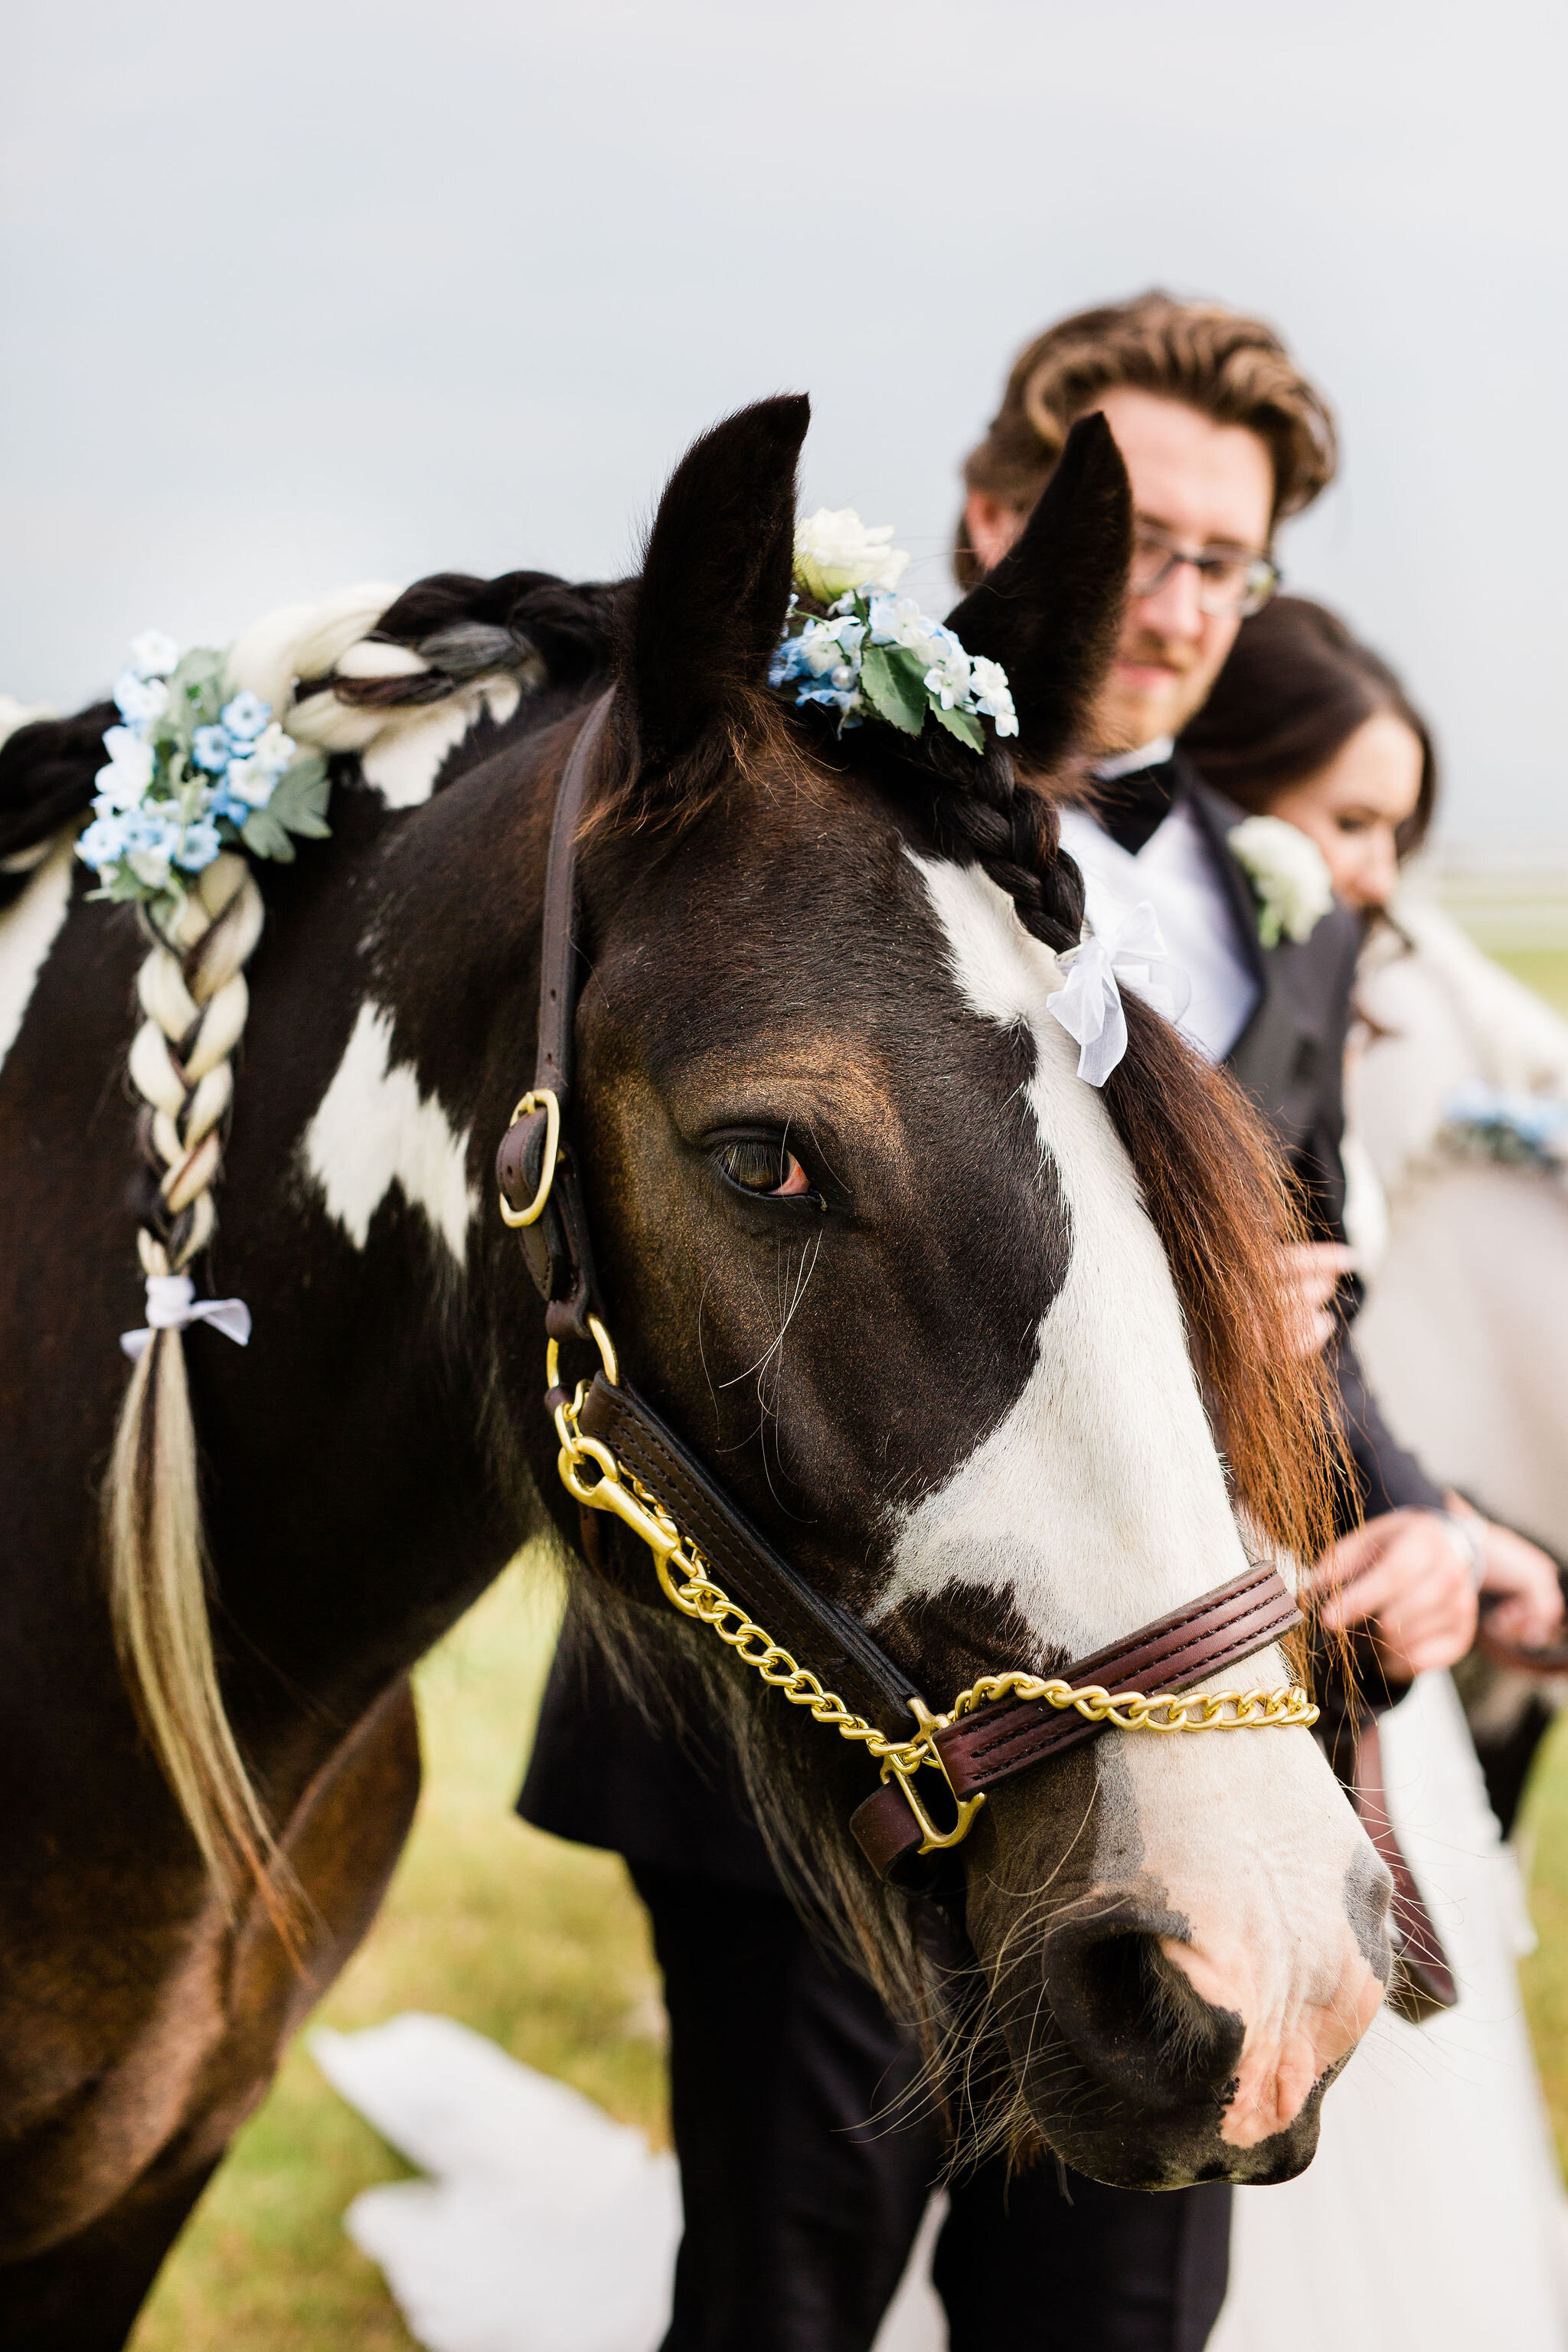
[767, 1170]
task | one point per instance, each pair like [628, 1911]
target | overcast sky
[307, 294]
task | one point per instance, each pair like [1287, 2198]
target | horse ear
[716, 580]
[1051, 610]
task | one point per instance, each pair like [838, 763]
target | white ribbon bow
[172, 1305]
[1090, 1006]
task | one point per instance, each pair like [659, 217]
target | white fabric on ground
[545, 2226]
[1432, 2213]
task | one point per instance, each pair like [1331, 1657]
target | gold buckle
[540, 1099]
[934, 1840]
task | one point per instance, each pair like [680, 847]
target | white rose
[1289, 874]
[835, 551]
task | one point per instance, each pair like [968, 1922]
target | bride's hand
[1312, 1271]
[1403, 1575]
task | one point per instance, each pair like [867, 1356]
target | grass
[544, 1947]
[540, 1945]
[1543, 969]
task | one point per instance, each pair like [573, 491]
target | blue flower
[246, 716]
[151, 839]
[104, 842]
[1510, 1123]
[223, 804]
[788, 662]
[199, 845]
[212, 748]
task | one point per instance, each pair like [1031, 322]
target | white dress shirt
[1175, 872]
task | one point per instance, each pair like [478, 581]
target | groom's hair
[1233, 368]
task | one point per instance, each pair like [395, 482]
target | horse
[964, 1336]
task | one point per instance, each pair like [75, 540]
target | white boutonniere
[1289, 874]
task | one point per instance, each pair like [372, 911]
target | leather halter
[664, 1493]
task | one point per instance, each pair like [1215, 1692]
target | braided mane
[352, 676]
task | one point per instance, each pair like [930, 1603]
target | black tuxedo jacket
[601, 1775]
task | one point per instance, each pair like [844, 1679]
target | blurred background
[326, 292]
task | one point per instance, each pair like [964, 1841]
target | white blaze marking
[1099, 1501]
[404, 762]
[374, 1129]
[28, 930]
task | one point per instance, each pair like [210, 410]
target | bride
[1433, 2212]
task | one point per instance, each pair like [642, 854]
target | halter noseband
[714, 1565]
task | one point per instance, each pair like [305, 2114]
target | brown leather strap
[1423, 1981]
[1207, 1637]
[557, 993]
[840, 1652]
[558, 1248]
[559, 1252]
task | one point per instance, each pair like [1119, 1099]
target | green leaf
[300, 798]
[963, 724]
[264, 837]
[195, 687]
[893, 690]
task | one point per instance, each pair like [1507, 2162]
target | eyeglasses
[1231, 580]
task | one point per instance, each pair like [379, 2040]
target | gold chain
[1166, 1711]
[683, 1574]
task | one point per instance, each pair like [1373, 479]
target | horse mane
[442, 636]
[344, 674]
[46, 770]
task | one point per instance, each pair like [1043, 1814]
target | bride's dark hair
[1294, 690]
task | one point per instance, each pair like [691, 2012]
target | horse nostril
[1133, 2018]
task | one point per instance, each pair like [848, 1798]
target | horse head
[957, 1329]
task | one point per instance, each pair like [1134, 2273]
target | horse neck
[392, 1030]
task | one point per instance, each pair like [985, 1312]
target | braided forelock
[1009, 829]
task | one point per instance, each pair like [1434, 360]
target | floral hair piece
[194, 769]
[853, 645]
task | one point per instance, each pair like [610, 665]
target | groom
[800, 2210]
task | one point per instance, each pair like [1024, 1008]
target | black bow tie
[1132, 808]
